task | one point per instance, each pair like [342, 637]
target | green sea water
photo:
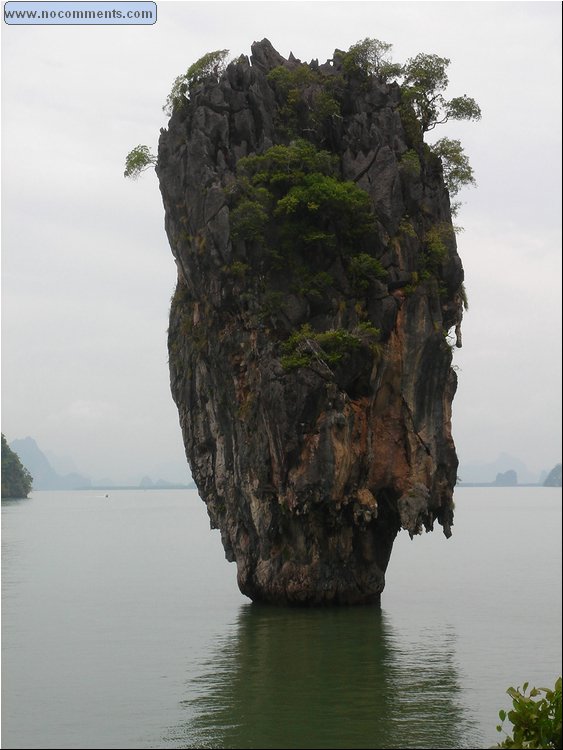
[122, 627]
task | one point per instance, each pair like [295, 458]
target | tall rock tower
[310, 357]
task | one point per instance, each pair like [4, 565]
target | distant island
[553, 479]
[36, 463]
[506, 478]
[16, 479]
[44, 476]
[506, 471]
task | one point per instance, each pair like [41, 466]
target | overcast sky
[87, 273]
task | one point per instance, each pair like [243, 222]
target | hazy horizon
[476, 471]
[87, 273]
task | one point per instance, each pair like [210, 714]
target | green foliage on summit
[291, 199]
[210, 65]
[424, 80]
[16, 479]
[308, 100]
[372, 57]
[281, 167]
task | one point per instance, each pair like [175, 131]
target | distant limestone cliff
[44, 476]
[318, 280]
[553, 479]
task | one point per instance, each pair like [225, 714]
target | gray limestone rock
[309, 471]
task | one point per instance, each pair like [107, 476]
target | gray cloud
[87, 273]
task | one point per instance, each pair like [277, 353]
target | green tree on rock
[16, 479]
[424, 84]
[210, 65]
[425, 80]
[138, 160]
[424, 103]
[294, 196]
[372, 57]
[457, 169]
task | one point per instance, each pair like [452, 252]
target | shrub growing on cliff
[210, 65]
[324, 210]
[328, 348]
[305, 346]
[248, 220]
[372, 57]
[281, 167]
[436, 240]
[457, 170]
[290, 85]
[292, 195]
[307, 98]
[364, 269]
[536, 718]
[137, 161]
[410, 162]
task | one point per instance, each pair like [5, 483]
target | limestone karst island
[17, 482]
[319, 297]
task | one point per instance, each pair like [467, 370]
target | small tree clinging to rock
[457, 170]
[138, 160]
[372, 57]
[424, 81]
[212, 64]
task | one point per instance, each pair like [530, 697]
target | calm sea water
[122, 627]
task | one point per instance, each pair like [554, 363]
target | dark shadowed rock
[311, 446]
[265, 57]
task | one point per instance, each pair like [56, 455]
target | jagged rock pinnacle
[308, 356]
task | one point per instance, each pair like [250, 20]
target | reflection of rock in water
[427, 701]
[325, 679]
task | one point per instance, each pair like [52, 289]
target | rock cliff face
[308, 340]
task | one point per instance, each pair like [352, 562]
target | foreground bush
[536, 717]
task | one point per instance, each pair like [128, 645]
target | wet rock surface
[314, 398]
